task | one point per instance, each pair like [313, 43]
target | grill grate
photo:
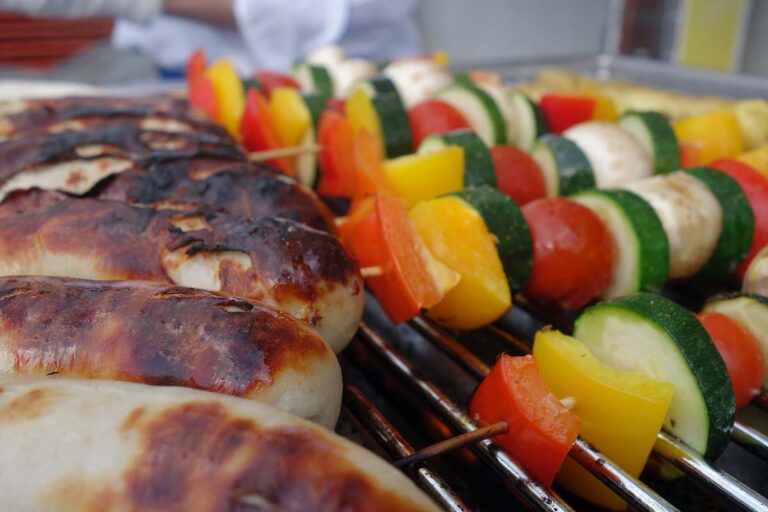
[400, 364]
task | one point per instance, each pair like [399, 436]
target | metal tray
[649, 72]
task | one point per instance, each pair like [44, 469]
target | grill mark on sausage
[129, 242]
[240, 188]
[41, 115]
[29, 406]
[198, 456]
[142, 332]
[143, 147]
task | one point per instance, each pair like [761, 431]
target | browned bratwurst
[71, 445]
[21, 118]
[168, 335]
[144, 167]
[299, 270]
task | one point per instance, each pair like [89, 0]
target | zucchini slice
[313, 79]
[307, 166]
[654, 133]
[478, 165]
[756, 277]
[738, 222]
[751, 311]
[566, 169]
[642, 250]
[377, 85]
[384, 117]
[505, 221]
[529, 120]
[653, 335]
[480, 110]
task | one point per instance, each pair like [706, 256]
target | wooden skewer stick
[270, 154]
[453, 443]
[375, 271]
[568, 402]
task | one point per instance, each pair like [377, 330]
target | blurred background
[103, 42]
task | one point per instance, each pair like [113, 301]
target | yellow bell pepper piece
[717, 135]
[291, 115]
[605, 109]
[621, 413]
[362, 115]
[757, 159]
[425, 176]
[753, 120]
[458, 237]
[230, 96]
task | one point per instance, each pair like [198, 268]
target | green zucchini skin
[698, 351]
[738, 222]
[395, 127]
[574, 171]
[658, 138]
[652, 246]
[478, 165]
[505, 220]
[490, 110]
[307, 167]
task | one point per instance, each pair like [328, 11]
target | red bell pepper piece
[258, 129]
[270, 80]
[541, 429]
[369, 178]
[336, 105]
[202, 96]
[563, 111]
[195, 67]
[755, 187]
[337, 156]
[385, 238]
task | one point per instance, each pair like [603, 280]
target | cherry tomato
[269, 81]
[741, 353]
[573, 253]
[564, 110]
[517, 174]
[434, 117]
[541, 429]
[755, 187]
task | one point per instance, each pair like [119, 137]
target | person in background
[254, 34]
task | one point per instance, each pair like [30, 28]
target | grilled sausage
[75, 446]
[148, 166]
[169, 335]
[40, 116]
[301, 271]
[244, 189]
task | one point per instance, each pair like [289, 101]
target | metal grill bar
[640, 496]
[524, 487]
[752, 440]
[397, 447]
[667, 446]
[692, 464]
